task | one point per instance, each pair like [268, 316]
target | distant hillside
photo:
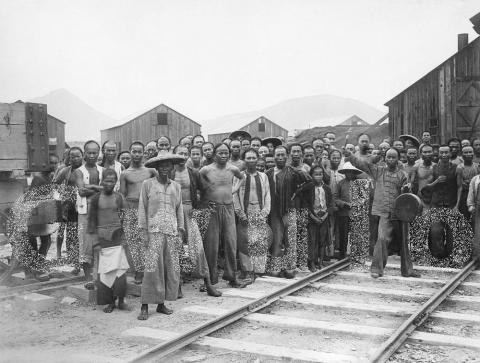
[83, 121]
[377, 133]
[299, 113]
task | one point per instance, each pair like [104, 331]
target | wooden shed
[56, 136]
[159, 121]
[446, 101]
[261, 127]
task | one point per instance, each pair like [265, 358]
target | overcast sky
[210, 58]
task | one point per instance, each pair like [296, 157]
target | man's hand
[471, 209]
[441, 179]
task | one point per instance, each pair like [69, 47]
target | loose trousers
[387, 229]
[221, 229]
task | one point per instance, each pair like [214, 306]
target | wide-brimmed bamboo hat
[349, 167]
[164, 156]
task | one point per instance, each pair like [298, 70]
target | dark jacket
[195, 184]
[310, 194]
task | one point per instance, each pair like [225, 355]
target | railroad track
[338, 314]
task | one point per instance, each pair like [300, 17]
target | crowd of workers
[247, 207]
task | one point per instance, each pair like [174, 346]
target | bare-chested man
[67, 177]
[236, 152]
[422, 173]
[130, 186]
[217, 181]
[87, 178]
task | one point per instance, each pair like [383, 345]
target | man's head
[444, 153]
[261, 165]
[350, 147]
[331, 137]
[308, 155]
[91, 150]
[391, 158]
[256, 143]
[318, 146]
[476, 146]
[465, 142]
[196, 154]
[262, 151]
[426, 137]
[109, 151]
[245, 144]
[435, 152]
[251, 158]
[371, 147]
[164, 143]
[398, 144]
[53, 161]
[207, 149]
[75, 155]
[236, 148]
[335, 158]
[185, 141]
[412, 155]
[136, 151]
[383, 147]
[363, 142]
[151, 150]
[454, 145]
[183, 151]
[198, 140]
[280, 156]
[326, 144]
[467, 153]
[269, 161]
[164, 168]
[109, 180]
[427, 154]
[125, 158]
[222, 153]
[296, 153]
[402, 155]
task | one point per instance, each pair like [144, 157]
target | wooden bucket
[407, 207]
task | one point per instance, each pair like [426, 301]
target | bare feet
[161, 308]
[211, 291]
[143, 312]
[237, 284]
[122, 305]
[202, 288]
[109, 308]
[180, 293]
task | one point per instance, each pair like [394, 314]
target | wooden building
[159, 121]
[56, 136]
[261, 127]
[354, 121]
[446, 101]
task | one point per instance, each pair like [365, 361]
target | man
[198, 140]
[217, 187]
[308, 155]
[422, 173]
[468, 169]
[190, 184]
[350, 148]
[104, 222]
[446, 190]
[252, 207]
[426, 137]
[130, 186]
[109, 160]
[151, 150]
[245, 145]
[256, 143]
[236, 153]
[398, 145]
[208, 156]
[160, 216]
[335, 178]
[284, 182]
[262, 151]
[164, 143]
[390, 181]
[269, 161]
[318, 146]
[412, 156]
[476, 150]
[435, 156]
[67, 178]
[88, 178]
[195, 159]
[296, 153]
[331, 138]
[363, 142]
[125, 159]
[383, 147]
[185, 141]
[260, 165]
[454, 145]
[465, 143]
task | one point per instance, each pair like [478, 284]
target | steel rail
[163, 349]
[43, 286]
[398, 337]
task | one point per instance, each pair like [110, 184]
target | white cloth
[112, 264]
[320, 202]
[82, 201]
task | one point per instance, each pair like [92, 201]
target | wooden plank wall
[56, 129]
[432, 99]
[145, 128]
[13, 141]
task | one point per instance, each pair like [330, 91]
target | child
[321, 205]
[104, 221]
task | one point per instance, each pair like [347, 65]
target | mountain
[299, 113]
[83, 121]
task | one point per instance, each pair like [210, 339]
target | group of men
[247, 207]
